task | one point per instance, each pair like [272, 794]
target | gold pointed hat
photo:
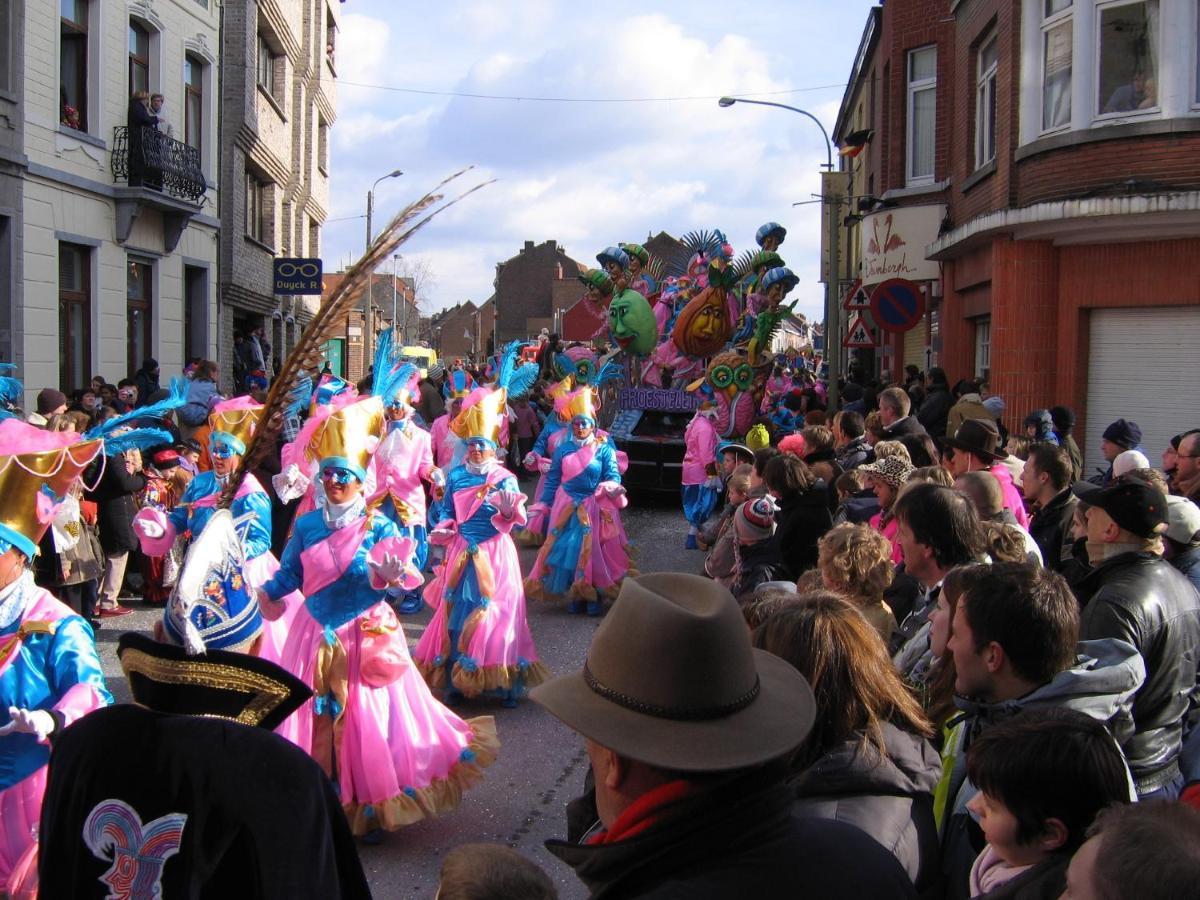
[37, 469]
[236, 419]
[481, 415]
[349, 436]
[584, 401]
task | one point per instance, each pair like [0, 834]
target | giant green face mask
[631, 323]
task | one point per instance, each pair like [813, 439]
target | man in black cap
[975, 447]
[1118, 437]
[212, 804]
[1134, 595]
[688, 729]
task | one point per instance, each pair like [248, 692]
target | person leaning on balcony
[156, 109]
[140, 117]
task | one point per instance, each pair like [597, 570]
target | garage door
[1141, 366]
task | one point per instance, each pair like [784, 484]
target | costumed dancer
[396, 754]
[538, 460]
[699, 479]
[298, 474]
[479, 640]
[232, 424]
[404, 460]
[585, 555]
[447, 446]
[50, 673]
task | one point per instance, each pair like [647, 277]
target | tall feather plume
[522, 380]
[306, 356]
[138, 439]
[508, 364]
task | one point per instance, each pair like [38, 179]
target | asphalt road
[522, 800]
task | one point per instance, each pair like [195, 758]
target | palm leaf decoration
[306, 357]
[765, 327]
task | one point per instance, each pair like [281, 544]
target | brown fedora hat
[978, 436]
[672, 681]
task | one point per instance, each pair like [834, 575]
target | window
[983, 347]
[256, 207]
[330, 38]
[74, 316]
[1057, 33]
[322, 145]
[1128, 57]
[922, 108]
[6, 48]
[193, 102]
[139, 298]
[73, 63]
[985, 103]
[139, 59]
[195, 312]
[266, 65]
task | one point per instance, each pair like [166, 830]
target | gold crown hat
[37, 469]
[482, 414]
[348, 437]
[234, 421]
[584, 401]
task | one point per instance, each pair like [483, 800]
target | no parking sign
[897, 305]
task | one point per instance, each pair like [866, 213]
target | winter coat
[800, 522]
[891, 799]
[1188, 563]
[1142, 599]
[1045, 881]
[1051, 528]
[115, 497]
[969, 406]
[756, 564]
[935, 409]
[1066, 440]
[1101, 684]
[201, 396]
[859, 508]
[901, 427]
[854, 454]
[737, 838]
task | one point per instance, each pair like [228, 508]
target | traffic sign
[297, 275]
[857, 298]
[858, 335]
[897, 305]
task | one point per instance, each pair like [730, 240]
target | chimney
[528, 246]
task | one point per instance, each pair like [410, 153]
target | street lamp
[833, 202]
[371, 200]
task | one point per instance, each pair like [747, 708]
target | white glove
[389, 568]
[290, 483]
[544, 465]
[437, 478]
[506, 502]
[714, 482]
[29, 721]
[149, 529]
[530, 460]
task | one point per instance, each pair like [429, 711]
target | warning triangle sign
[858, 335]
[858, 297]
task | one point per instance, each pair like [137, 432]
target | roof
[866, 47]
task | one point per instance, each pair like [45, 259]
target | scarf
[339, 515]
[13, 598]
[644, 812]
[484, 468]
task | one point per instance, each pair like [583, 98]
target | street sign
[857, 298]
[858, 335]
[897, 305]
[297, 275]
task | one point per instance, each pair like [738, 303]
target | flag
[853, 143]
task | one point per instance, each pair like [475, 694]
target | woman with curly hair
[855, 561]
[866, 760]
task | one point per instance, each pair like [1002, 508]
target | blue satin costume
[256, 538]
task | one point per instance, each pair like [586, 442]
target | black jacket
[1045, 881]
[800, 522]
[735, 839]
[114, 498]
[758, 563]
[858, 508]
[890, 798]
[854, 454]
[1051, 528]
[1142, 599]
[935, 409]
[901, 427]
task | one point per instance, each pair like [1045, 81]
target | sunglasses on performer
[220, 451]
[337, 476]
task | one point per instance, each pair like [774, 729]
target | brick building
[278, 102]
[346, 347]
[1071, 142]
[524, 297]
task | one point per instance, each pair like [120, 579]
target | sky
[586, 174]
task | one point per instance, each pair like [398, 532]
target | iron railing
[163, 164]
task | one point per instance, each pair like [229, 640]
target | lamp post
[833, 337]
[371, 200]
[395, 292]
[368, 325]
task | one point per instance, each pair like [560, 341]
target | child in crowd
[762, 456]
[492, 872]
[756, 556]
[1043, 777]
[856, 500]
[718, 532]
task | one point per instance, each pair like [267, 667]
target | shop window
[1128, 57]
[922, 110]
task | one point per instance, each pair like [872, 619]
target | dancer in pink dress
[479, 638]
[538, 460]
[396, 754]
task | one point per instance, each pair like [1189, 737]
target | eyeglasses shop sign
[297, 276]
[894, 242]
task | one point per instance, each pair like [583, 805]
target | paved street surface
[522, 800]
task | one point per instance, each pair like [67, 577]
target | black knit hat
[1124, 434]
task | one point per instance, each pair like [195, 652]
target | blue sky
[587, 174]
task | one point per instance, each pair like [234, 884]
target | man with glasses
[1181, 466]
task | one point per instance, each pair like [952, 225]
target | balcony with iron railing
[162, 174]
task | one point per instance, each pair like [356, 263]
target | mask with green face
[631, 323]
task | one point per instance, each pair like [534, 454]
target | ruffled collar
[14, 597]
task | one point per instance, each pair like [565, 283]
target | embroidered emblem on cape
[114, 833]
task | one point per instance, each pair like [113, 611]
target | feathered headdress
[393, 383]
[484, 410]
[458, 384]
[309, 350]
